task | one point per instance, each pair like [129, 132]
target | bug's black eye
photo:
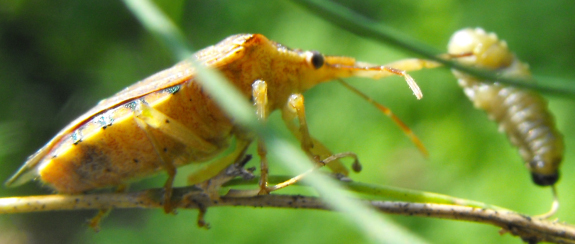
[316, 59]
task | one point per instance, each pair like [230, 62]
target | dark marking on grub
[167, 121]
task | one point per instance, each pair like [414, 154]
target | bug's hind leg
[95, 221]
[149, 118]
[167, 164]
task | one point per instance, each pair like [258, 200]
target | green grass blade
[160, 26]
[360, 25]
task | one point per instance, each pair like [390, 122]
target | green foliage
[57, 59]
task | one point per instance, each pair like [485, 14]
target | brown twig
[529, 229]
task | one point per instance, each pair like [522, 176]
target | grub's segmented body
[521, 114]
[167, 120]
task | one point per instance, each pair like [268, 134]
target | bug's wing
[175, 75]
[24, 174]
[214, 56]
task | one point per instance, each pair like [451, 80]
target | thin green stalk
[362, 26]
[387, 192]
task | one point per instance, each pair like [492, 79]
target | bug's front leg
[312, 147]
[295, 108]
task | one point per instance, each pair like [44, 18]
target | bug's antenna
[390, 114]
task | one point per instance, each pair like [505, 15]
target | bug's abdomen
[111, 149]
[523, 115]
[109, 157]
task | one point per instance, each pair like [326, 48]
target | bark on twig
[528, 228]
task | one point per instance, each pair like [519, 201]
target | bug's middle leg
[260, 98]
[205, 177]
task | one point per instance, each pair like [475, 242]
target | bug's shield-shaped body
[114, 143]
[521, 114]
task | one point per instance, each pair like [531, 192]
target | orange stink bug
[167, 120]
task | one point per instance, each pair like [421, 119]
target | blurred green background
[58, 58]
